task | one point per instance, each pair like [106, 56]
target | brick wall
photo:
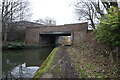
[77, 30]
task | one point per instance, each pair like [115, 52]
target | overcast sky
[60, 10]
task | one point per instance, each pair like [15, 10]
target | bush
[108, 31]
[18, 45]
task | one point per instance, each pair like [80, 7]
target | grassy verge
[45, 66]
[83, 73]
[90, 65]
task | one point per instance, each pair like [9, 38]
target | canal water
[23, 63]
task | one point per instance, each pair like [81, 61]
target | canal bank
[46, 64]
[57, 65]
[21, 45]
[92, 62]
[76, 62]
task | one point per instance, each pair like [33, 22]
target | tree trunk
[5, 37]
[92, 23]
[5, 33]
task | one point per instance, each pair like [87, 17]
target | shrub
[108, 31]
[18, 45]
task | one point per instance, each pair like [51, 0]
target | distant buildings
[24, 24]
[16, 31]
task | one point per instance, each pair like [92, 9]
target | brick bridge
[47, 35]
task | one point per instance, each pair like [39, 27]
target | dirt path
[47, 75]
[65, 64]
[68, 66]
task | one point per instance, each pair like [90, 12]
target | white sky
[60, 10]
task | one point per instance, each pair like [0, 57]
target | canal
[23, 63]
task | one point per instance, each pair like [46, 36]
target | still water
[23, 63]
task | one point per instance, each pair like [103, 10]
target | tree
[12, 10]
[100, 9]
[108, 31]
[108, 3]
[103, 5]
[92, 11]
[86, 11]
[46, 21]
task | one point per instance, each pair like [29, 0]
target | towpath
[65, 64]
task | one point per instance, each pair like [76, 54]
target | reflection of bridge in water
[49, 35]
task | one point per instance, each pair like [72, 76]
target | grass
[46, 65]
[84, 63]
[82, 73]
[57, 69]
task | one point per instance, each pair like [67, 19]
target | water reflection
[23, 63]
[22, 71]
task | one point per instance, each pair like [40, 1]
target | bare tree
[13, 10]
[92, 11]
[47, 21]
[86, 11]
[108, 3]
[100, 10]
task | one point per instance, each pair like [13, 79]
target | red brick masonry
[78, 32]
